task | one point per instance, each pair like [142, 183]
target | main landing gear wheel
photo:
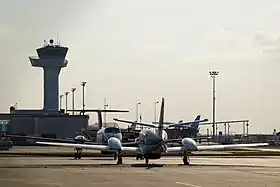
[186, 159]
[139, 156]
[119, 158]
[115, 156]
[78, 153]
[146, 161]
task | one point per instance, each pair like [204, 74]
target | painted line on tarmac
[187, 184]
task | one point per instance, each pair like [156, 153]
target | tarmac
[165, 172]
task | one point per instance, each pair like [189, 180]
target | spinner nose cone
[114, 143]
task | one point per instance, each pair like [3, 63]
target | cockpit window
[112, 130]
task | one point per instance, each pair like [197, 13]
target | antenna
[45, 43]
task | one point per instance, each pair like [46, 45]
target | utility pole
[73, 100]
[83, 94]
[105, 107]
[66, 94]
[155, 112]
[213, 74]
[60, 101]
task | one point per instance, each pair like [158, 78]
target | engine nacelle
[189, 144]
[80, 139]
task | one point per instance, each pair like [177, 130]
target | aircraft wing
[129, 144]
[231, 146]
[216, 147]
[87, 146]
[180, 140]
[40, 138]
[75, 145]
[260, 149]
[133, 122]
[51, 139]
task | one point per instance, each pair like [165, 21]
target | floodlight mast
[213, 74]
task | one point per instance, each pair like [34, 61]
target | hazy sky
[139, 51]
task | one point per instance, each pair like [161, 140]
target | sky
[132, 51]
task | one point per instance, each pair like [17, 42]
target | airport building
[48, 121]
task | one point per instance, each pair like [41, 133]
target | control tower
[51, 57]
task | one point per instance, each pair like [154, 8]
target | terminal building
[48, 121]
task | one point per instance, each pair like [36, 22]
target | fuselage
[105, 133]
[151, 145]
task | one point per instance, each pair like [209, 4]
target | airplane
[180, 124]
[103, 134]
[194, 123]
[152, 143]
[191, 129]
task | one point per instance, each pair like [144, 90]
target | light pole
[228, 128]
[73, 99]
[137, 111]
[60, 101]
[83, 94]
[213, 74]
[66, 94]
[247, 129]
[105, 107]
[225, 128]
[155, 108]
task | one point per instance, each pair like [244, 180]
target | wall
[64, 126]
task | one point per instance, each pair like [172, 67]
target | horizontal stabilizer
[133, 122]
[187, 123]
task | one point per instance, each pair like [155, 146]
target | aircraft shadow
[148, 166]
[93, 159]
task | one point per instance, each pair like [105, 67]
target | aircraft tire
[186, 160]
[119, 160]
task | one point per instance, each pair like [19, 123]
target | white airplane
[152, 143]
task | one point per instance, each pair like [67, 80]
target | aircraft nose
[114, 143]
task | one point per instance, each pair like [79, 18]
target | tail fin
[196, 124]
[161, 119]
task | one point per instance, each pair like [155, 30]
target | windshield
[112, 130]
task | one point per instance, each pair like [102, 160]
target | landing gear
[146, 161]
[139, 156]
[78, 153]
[119, 158]
[115, 156]
[186, 159]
